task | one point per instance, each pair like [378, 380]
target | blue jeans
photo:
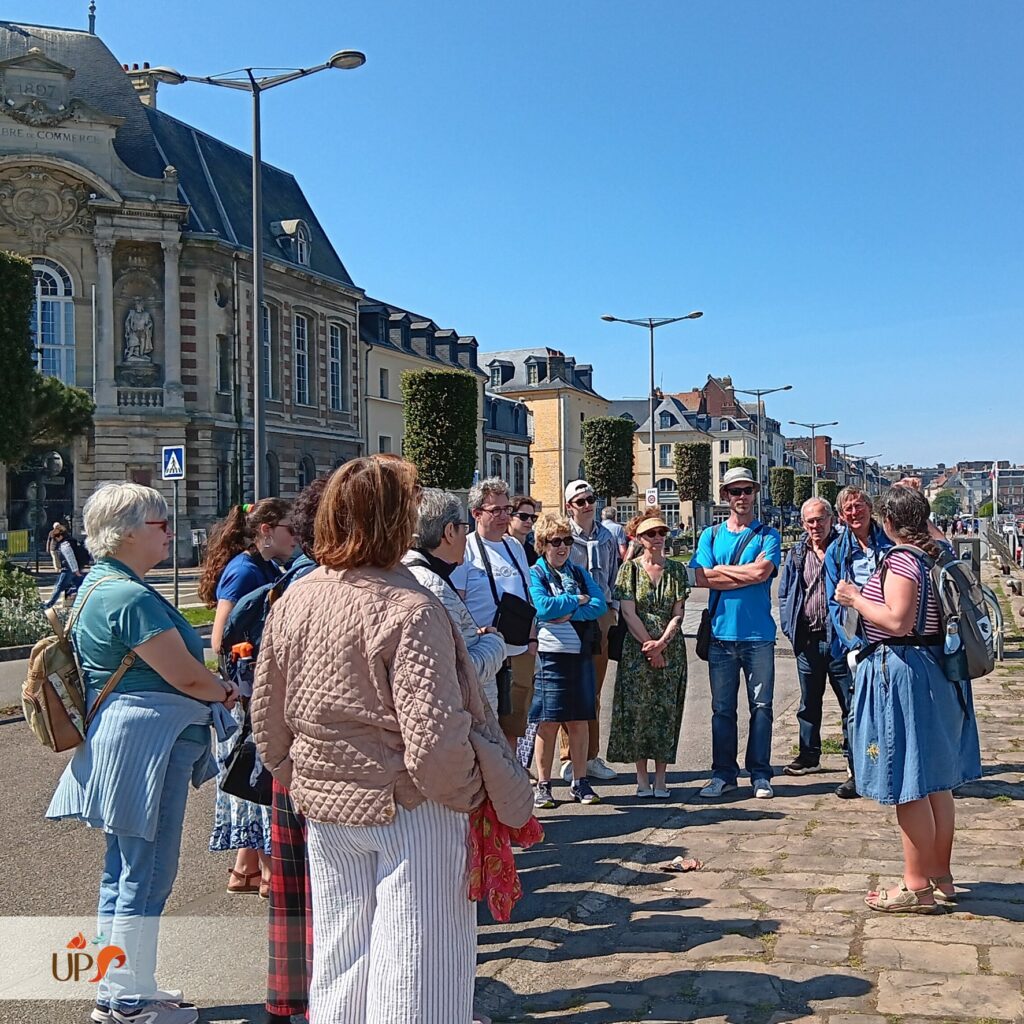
[814, 664]
[66, 581]
[137, 879]
[757, 659]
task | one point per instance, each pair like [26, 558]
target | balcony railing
[140, 398]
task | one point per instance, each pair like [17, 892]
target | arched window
[273, 475]
[666, 486]
[302, 245]
[300, 367]
[519, 484]
[307, 472]
[494, 415]
[516, 413]
[53, 320]
[496, 465]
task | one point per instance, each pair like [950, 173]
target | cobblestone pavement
[774, 928]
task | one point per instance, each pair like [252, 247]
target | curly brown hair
[303, 514]
[650, 512]
[907, 511]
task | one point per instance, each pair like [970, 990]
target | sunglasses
[581, 502]
[162, 523]
[737, 491]
[658, 532]
[558, 542]
[526, 517]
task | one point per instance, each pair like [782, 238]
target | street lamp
[652, 323]
[246, 80]
[760, 393]
[845, 447]
[864, 472]
[812, 427]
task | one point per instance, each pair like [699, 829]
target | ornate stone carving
[138, 334]
[136, 257]
[40, 205]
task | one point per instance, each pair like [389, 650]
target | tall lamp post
[760, 393]
[864, 474]
[846, 447]
[652, 323]
[247, 80]
[812, 427]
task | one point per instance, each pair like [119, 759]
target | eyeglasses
[559, 542]
[162, 523]
[658, 532]
[498, 510]
[581, 502]
[817, 521]
[285, 526]
[735, 492]
[526, 517]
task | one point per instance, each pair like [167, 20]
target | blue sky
[837, 186]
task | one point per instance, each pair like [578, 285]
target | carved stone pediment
[40, 204]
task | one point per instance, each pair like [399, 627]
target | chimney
[145, 84]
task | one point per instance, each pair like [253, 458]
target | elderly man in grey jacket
[440, 547]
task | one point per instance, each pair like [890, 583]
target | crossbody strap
[490, 572]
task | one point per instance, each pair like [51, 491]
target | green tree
[801, 489]
[36, 412]
[693, 476]
[984, 511]
[608, 455]
[780, 480]
[945, 504]
[744, 462]
[828, 490]
[441, 417]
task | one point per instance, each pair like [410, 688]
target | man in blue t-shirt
[743, 633]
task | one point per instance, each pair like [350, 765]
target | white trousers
[394, 931]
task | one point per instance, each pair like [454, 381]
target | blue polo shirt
[746, 613]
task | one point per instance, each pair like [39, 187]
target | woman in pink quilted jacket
[367, 707]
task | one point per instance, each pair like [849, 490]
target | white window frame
[665, 456]
[723, 446]
[337, 346]
[52, 320]
[300, 349]
[302, 245]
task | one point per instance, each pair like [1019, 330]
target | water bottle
[243, 664]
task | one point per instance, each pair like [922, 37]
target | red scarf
[492, 867]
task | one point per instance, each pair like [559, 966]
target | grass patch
[759, 872]
[212, 664]
[198, 616]
[769, 940]
[1003, 798]
[854, 961]
[827, 891]
[832, 745]
[811, 826]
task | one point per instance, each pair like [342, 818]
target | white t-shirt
[471, 578]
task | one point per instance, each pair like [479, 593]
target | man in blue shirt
[737, 561]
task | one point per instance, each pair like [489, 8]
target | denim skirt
[563, 689]
[913, 731]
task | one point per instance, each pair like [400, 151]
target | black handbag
[702, 646]
[504, 681]
[513, 617]
[617, 633]
[237, 780]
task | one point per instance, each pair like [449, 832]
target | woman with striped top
[568, 601]
[914, 734]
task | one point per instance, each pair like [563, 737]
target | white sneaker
[104, 1015]
[566, 771]
[716, 788]
[597, 769]
[157, 1013]
[763, 789]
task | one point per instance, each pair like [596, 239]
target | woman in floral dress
[650, 682]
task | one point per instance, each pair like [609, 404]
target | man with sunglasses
[737, 561]
[521, 523]
[596, 549]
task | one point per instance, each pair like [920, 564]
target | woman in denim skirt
[914, 735]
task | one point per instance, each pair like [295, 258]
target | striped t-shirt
[903, 563]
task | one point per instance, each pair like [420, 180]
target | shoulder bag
[617, 632]
[513, 617]
[702, 647]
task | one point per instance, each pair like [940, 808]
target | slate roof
[214, 179]
[519, 381]
[638, 409]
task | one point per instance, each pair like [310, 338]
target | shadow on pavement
[992, 899]
[241, 1012]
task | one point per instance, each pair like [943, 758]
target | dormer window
[667, 420]
[302, 245]
[495, 376]
[294, 238]
[532, 374]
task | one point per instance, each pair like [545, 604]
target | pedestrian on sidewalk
[71, 573]
[148, 741]
[243, 555]
[915, 736]
[852, 556]
[520, 525]
[804, 616]
[650, 678]
[596, 550]
[52, 544]
[737, 561]
[494, 565]
[369, 711]
[569, 605]
[610, 521]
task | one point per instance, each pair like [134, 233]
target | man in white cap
[736, 561]
[596, 549]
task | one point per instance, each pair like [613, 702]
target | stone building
[508, 430]
[139, 230]
[560, 395]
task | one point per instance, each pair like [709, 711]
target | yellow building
[560, 396]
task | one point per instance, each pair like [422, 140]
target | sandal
[644, 791]
[681, 865]
[901, 900]
[264, 888]
[246, 888]
[948, 898]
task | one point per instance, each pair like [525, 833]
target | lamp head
[347, 60]
[607, 316]
[695, 315]
[167, 76]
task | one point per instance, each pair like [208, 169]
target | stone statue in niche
[138, 335]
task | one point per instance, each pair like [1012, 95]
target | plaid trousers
[290, 928]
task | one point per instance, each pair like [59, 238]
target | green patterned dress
[647, 711]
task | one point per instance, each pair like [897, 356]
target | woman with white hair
[149, 739]
[440, 546]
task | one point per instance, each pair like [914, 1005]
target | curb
[21, 653]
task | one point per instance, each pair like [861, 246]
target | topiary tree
[693, 476]
[828, 490]
[744, 462]
[801, 489]
[441, 417]
[984, 511]
[945, 504]
[780, 481]
[608, 455]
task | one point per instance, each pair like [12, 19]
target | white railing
[140, 398]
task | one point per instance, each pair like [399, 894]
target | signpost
[172, 467]
[651, 496]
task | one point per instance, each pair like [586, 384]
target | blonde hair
[115, 510]
[550, 525]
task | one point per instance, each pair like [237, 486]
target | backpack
[53, 694]
[963, 602]
[82, 555]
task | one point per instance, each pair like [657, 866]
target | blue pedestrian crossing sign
[173, 463]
